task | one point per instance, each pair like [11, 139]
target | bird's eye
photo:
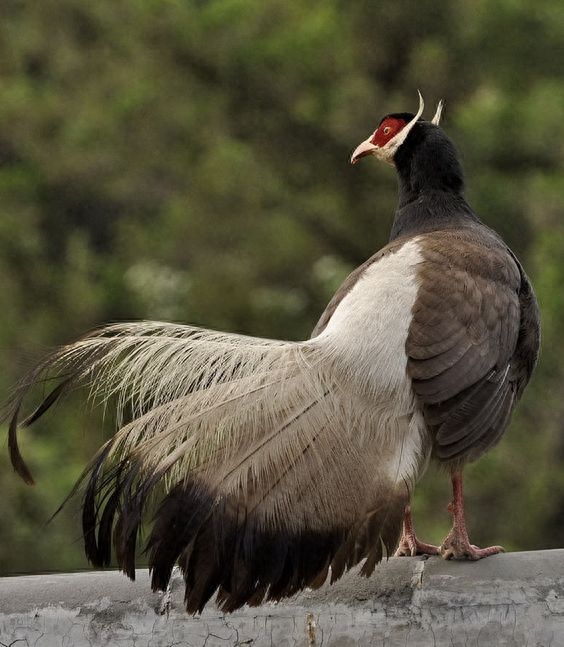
[387, 130]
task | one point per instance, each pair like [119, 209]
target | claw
[456, 544]
[409, 545]
[469, 551]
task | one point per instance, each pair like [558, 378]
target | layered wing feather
[463, 339]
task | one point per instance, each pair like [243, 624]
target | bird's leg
[456, 544]
[409, 545]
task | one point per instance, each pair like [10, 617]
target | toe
[468, 552]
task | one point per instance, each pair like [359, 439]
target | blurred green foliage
[188, 160]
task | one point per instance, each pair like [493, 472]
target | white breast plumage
[367, 336]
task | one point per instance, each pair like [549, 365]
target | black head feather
[428, 160]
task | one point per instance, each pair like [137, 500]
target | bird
[267, 466]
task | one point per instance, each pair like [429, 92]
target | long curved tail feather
[262, 462]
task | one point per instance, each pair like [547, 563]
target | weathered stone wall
[514, 599]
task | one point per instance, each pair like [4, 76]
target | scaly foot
[409, 545]
[457, 546]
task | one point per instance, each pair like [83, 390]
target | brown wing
[462, 339]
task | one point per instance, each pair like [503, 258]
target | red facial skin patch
[388, 129]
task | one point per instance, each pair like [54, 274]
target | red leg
[409, 545]
[456, 544]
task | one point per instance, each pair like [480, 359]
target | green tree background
[188, 160]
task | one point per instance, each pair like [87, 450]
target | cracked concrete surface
[514, 599]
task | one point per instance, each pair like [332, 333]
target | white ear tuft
[421, 107]
[437, 118]
[387, 152]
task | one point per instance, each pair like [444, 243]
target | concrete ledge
[515, 599]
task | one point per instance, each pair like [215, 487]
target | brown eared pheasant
[272, 465]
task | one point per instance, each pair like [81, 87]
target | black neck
[431, 184]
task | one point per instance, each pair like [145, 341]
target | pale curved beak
[366, 148]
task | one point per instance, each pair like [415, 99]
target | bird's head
[391, 133]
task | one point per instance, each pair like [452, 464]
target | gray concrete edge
[510, 599]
